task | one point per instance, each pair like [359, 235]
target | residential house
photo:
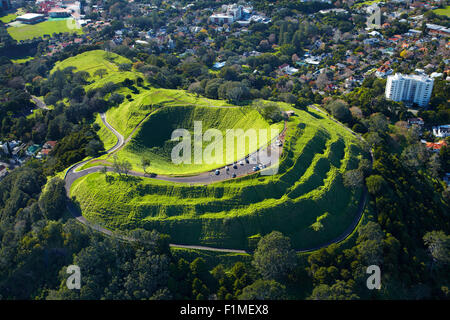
[416, 121]
[441, 131]
[435, 146]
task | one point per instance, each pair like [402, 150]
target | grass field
[91, 61]
[443, 12]
[8, 18]
[230, 214]
[22, 60]
[24, 32]
[366, 3]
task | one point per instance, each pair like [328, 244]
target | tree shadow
[317, 116]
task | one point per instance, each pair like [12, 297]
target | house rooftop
[29, 16]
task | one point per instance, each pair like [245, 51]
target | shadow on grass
[315, 115]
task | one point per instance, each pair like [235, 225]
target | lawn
[366, 3]
[8, 18]
[22, 60]
[443, 12]
[46, 28]
[91, 61]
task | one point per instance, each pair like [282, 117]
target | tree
[339, 109]
[322, 80]
[94, 147]
[264, 290]
[374, 139]
[196, 88]
[116, 99]
[145, 163]
[234, 94]
[146, 274]
[434, 165]
[52, 201]
[444, 155]
[338, 291]
[414, 156]
[100, 73]
[270, 111]
[108, 177]
[371, 252]
[370, 231]
[124, 67]
[121, 167]
[126, 167]
[288, 98]
[302, 103]
[438, 244]
[375, 184]
[77, 93]
[378, 123]
[274, 257]
[353, 178]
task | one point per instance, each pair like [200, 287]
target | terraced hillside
[306, 200]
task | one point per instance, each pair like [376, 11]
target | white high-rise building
[231, 13]
[409, 88]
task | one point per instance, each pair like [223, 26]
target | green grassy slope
[152, 140]
[306, 200]
[91, 61]
[129, 114]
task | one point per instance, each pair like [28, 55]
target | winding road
[242, 168]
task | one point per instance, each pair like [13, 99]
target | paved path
[39, 103]
[242, 168]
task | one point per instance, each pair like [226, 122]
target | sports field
[46, 28]
[8, 18]
[443, 12]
